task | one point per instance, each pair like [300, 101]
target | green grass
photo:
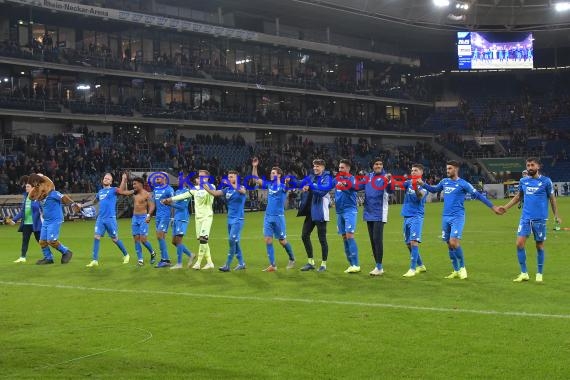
[124, 322]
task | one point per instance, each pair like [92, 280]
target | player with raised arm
[413, 213]
[274, 220]
[143, 209]
[347, 212]
[107, 218]
[162, 190]
[537, 191]
[204, 215]
[179, 227]
[453, 220]
[235, 198]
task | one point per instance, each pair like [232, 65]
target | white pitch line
[145, 339]
[297, 300]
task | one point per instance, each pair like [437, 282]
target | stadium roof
[508, 15]
[412, 24]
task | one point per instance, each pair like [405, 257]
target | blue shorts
[537, 226]
[139, 226]
[50, 231]
[162, 224]
[452, 227]
[346, 223]
[274, 226]
[179, 227]
[106, 225]
[234, 230]
[413, 228]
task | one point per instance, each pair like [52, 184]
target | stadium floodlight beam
[562, 7]
[441, 3]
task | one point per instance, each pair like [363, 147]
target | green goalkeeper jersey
[203, 201]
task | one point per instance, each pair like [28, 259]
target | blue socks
[289, 251]
[521, 254]
[163, 249]
[453, 258]
[353, 251]
[419, 261]
[179, 253]
[148, 246]
[239, 254]
[185, 250]
[138, 249]
[232, 252]
[47, 253]
[270, 253]
[415, 254]
[121, 246]
[540, 259]
[96, 244]
[347, 251]
[62, 248]
[460, 258]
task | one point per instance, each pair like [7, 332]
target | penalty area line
[296, 300]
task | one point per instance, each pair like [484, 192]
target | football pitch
[122, 321]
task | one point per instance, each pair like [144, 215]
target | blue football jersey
[107, 198]
[52, 210]
[454, 192]
[181, 211]
[276, 196]
[162, 211]
[412, 205]
[536, 193]
[345, 199]
[236, 203]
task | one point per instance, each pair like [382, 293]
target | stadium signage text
[159, 180]
[141, 18]
[76, 8]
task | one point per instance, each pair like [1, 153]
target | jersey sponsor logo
[530, 190]
[272, 192]
[449, 189]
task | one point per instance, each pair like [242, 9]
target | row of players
[536, 189]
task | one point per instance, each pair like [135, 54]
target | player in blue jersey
[377, 190]
[347, 211]
[537, 191]
[274, 220]
[43, 190]
[161, 190]
[179, 227]
[314, 206]
[453, 221]
[413, 213]
[235, 196]
[107, 217]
